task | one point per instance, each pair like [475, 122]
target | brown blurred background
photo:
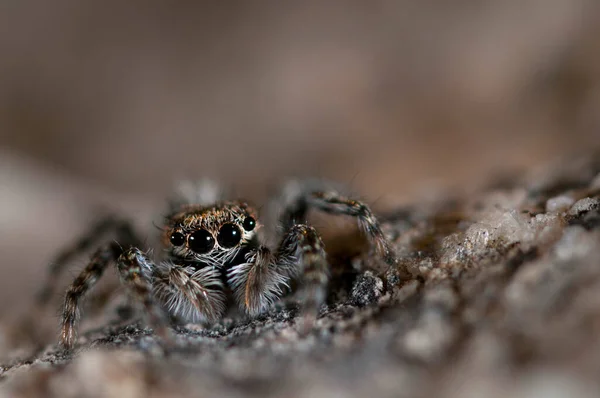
[106, 103]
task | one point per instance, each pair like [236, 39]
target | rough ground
[497, 294]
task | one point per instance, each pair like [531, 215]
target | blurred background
[104, 104]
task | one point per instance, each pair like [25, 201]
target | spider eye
[249, 223]
[201, 241]
[229, 236]
[177, 239]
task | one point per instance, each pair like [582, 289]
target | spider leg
[331, 202]
[134, 269]
[301, 254]
[300, 198]
[27, 329]
[80, 286]
[257, 283]
[123, 232]
[192, 295]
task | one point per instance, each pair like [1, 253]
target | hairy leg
[299, 198]
[124, 234]
[331, 202]
[191, 295]
[135, 271]
[302, 254]
[27, 328]
[259, 282]
[88, 277]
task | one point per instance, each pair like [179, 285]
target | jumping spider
[213, 257]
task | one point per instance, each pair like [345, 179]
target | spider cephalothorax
[212, 256]
[212, 235]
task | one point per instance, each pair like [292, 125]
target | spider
[212, 258]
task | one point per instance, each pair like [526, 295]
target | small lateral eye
[177, 239]
[229, 236]
[201, 241]
[249, 223]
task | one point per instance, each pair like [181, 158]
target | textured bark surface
[503, 299]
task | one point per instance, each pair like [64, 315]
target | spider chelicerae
[212, 257]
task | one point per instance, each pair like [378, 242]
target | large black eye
[229, 236]
[249, 224]
[177, 239]
[201, 241]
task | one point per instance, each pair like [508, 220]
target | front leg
[260, 281]
[192, 295]
[136, 271]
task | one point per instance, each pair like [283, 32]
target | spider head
[212, 234]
